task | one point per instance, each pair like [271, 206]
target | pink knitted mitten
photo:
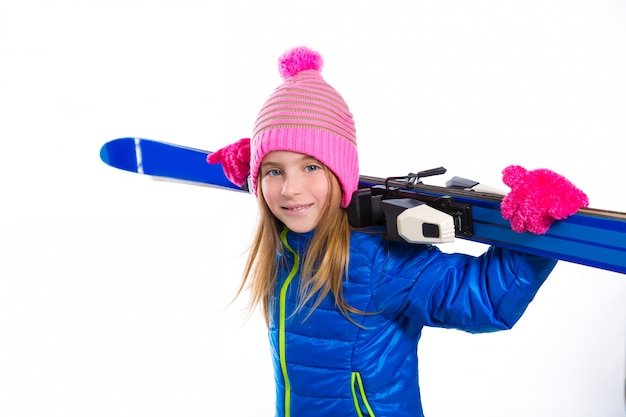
[235, 160]
[538, 198]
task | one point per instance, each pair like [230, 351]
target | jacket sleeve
[475, 294]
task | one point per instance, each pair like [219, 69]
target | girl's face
[295, 188]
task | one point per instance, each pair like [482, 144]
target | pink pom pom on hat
[297, 60]
[306, 115]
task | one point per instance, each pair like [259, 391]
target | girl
[345, 308]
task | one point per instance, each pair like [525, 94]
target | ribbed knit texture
[306, 115]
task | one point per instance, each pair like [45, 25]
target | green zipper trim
[282, 315]
[356, 380]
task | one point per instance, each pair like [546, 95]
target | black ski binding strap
[373, 205]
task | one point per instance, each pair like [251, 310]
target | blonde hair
[324, 265]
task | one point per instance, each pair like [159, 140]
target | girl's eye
[273, 172]
[311, 168]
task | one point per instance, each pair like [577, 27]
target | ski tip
[120, 153]
[104, 154]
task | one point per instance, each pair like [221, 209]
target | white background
[114, 289]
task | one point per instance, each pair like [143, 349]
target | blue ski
[592, 237]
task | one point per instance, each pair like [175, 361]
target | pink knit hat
[306, 115]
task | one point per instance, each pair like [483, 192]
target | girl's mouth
[297, 209]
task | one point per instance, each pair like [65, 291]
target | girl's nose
[291, 186]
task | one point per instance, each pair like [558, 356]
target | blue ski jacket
[326, 365]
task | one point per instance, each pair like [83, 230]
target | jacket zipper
[359, 397]
[281, 321]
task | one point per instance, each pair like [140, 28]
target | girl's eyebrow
[270, 163]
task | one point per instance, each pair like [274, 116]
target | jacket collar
[299, 241]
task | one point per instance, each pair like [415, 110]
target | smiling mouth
[297, 209]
